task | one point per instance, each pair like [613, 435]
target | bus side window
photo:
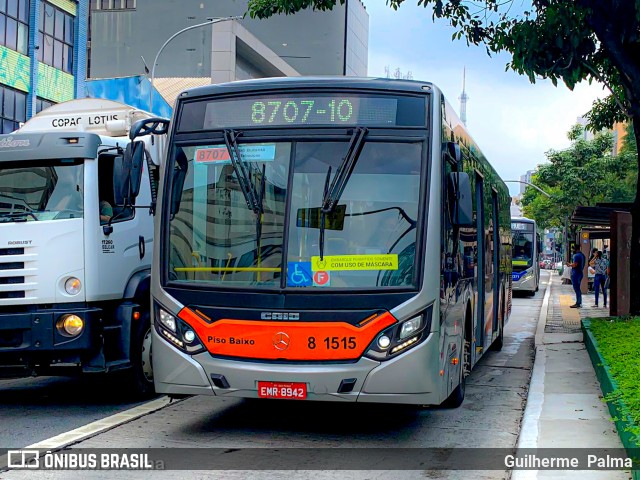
[449, 262]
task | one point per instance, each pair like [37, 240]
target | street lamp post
[529, 185]
[155, 60]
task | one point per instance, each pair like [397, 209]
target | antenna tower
[463, 98]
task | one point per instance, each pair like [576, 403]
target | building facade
[524, 179]
[309, 43]
[42, 56]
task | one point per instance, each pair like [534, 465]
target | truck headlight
[73, 286]
[70, 325]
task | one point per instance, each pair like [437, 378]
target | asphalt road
[489, 417]
[34, 409]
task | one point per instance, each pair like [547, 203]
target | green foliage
[604, 113]
[584, 174]
[629, 146]
[619, 344]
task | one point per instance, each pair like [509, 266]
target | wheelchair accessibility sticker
[299, 274]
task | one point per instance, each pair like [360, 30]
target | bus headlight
[70, 325]
[401, 337]
[384, 342]
[177, 332]
[409, 327]
[72, 286]
[167, 320]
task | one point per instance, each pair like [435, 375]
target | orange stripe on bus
[297, 341]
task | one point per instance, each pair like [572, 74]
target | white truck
[77, 195]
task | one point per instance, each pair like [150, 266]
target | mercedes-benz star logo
[281, 341]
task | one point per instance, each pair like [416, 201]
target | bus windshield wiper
[333, 193]
[242, 173]
[260, 214]
[343, 174]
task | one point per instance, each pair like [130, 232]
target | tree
[584, 174]
[566, 40]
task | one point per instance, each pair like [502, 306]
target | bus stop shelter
[612, 221]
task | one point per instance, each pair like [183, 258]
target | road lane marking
[528, 436]
[100, 426]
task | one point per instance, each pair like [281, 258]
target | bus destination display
[521, 226]
[302, 110]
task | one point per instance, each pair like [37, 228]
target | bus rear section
[300, 246]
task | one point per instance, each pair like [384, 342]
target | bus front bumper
[525, 283]
[410, 378]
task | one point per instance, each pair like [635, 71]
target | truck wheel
[141, 373]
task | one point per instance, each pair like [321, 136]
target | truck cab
[76, 244]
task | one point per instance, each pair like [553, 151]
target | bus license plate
[294, 391]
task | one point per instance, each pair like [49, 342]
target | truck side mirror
[120, 180]
[134, 160]
[459, 189]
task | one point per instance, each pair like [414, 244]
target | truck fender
[139, 287]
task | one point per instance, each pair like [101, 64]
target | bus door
[481, 263]
[495, 240]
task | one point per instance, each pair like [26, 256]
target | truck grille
[11, 266]
[11, 280]
[18, 272]
[11, 251]
[20, 294]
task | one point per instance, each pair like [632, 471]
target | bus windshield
[43, 190]
[367, 241]
[523, 237]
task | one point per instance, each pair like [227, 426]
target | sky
[513, 121]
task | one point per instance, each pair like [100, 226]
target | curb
[528, 435]
[608, 385]
[544, 311]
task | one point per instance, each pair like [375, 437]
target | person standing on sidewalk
[577, 272]
[601, 266]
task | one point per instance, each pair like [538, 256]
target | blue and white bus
[525, 258]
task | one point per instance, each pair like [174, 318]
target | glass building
[43, 48]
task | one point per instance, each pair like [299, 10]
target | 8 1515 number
[333, 343]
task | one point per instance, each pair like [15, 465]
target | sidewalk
[564, 405]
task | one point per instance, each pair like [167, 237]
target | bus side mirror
[459, 189]
[177, 185]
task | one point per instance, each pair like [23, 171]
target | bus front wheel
[455, 399]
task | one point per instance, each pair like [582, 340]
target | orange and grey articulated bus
[335, 239]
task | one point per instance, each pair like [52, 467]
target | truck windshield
[34, 191]
[369, 238]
